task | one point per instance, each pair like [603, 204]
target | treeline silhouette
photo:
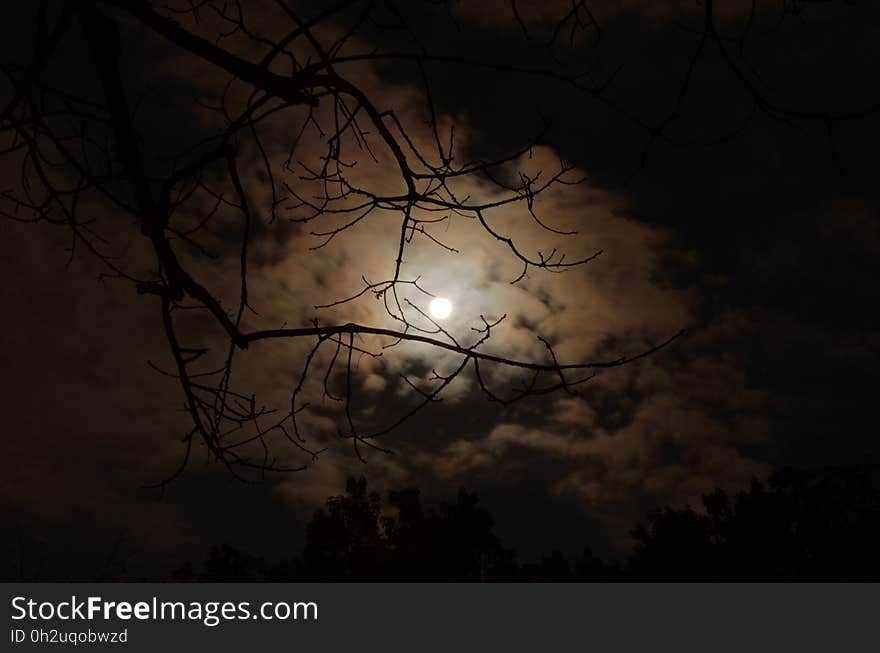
[802, 525]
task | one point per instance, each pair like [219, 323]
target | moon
[440, 307]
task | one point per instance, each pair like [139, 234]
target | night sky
[733, 194]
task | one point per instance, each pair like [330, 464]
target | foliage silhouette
[802, 525]
[821, 524]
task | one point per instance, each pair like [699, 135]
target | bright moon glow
[440, 308]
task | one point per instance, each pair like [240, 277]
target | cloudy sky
[723, 198]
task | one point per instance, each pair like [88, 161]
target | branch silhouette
[74, 150]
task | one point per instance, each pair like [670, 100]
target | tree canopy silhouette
[352, 539]
[804, 524]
